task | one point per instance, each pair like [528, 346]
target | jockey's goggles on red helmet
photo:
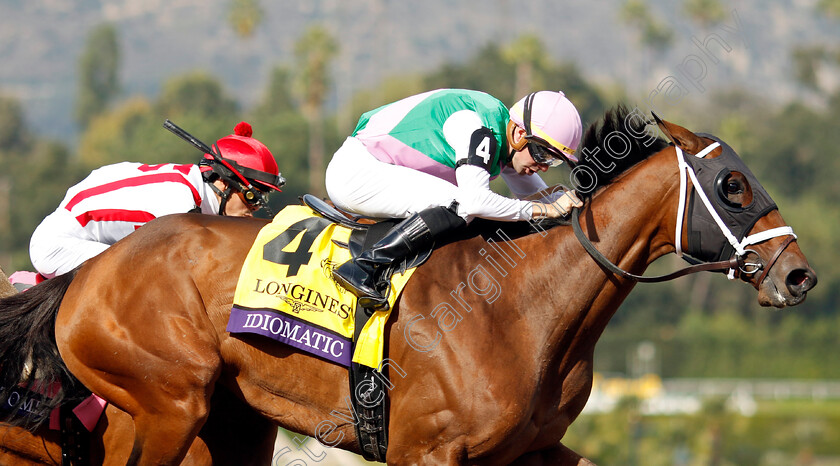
[239, 160]
[254, 185]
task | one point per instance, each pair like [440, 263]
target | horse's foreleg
[558, 456]
[164, 435]
[417, 454]
[168, 401]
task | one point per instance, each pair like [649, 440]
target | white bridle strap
[684, 167]
[738, 246]
[707, 150]
[767, 234]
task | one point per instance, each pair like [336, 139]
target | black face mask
[706, 242]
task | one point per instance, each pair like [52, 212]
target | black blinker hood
[705, 240]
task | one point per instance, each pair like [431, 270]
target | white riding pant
[58, 246]
[357, 182]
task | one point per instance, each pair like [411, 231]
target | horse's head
[724, 212]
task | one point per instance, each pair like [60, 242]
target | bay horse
[233, 433]
[490, 354]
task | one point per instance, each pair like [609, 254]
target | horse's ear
[680, 136]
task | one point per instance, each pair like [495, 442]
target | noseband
[737, 264]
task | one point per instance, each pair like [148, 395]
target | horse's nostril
[799, 281]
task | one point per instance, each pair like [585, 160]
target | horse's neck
[631, 223]
[633, 219]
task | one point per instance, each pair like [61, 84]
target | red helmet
[250, 158]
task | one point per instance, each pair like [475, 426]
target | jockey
[429, 159]
[115, 200]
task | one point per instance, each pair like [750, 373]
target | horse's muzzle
[786, 287]
[800, 281]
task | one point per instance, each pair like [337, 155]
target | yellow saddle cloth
[286, 291]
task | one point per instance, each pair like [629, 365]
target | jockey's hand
[559, 208]
[547, 194]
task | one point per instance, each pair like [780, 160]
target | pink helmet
[551, 120]
[252, 159]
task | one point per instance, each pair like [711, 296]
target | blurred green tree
[14, 133]
[133, 130]
[41, 178]
[244, 16]
[705, 12]
[16, 143]
[490, 71]
[98, 73]
[118, 135]
[653, 33]
[829, 7]
[196, 93]
[807, 61]
[282, 128]
[486, 71]
[278, 97]
[525, 53]
[314, 52]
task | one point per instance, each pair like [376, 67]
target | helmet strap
[515, 146]
[526, 112]
[223, 195]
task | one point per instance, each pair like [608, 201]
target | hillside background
[85, 83]
[42, 40]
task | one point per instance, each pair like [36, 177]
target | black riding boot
[405, 240]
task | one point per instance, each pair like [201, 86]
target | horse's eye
[733, 190]
[733, 187]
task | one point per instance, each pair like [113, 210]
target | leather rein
[734, 262]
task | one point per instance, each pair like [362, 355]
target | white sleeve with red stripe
[115, 200]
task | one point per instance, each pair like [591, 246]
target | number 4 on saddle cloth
[286, 290]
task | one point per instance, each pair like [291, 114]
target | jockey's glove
[560, 207]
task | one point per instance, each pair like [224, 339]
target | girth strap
[75, 438]
[365, 387]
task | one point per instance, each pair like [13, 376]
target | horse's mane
[596, 140]
[599, 147]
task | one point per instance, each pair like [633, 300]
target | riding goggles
[543, 153]
[254, 197]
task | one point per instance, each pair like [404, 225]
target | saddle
[366, 231]
[365, 385]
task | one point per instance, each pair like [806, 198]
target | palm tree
[807, 61]
[313, 53]
[654, 35]
[705, 12]
[526, 53]
[244, 16]
[98, 73]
